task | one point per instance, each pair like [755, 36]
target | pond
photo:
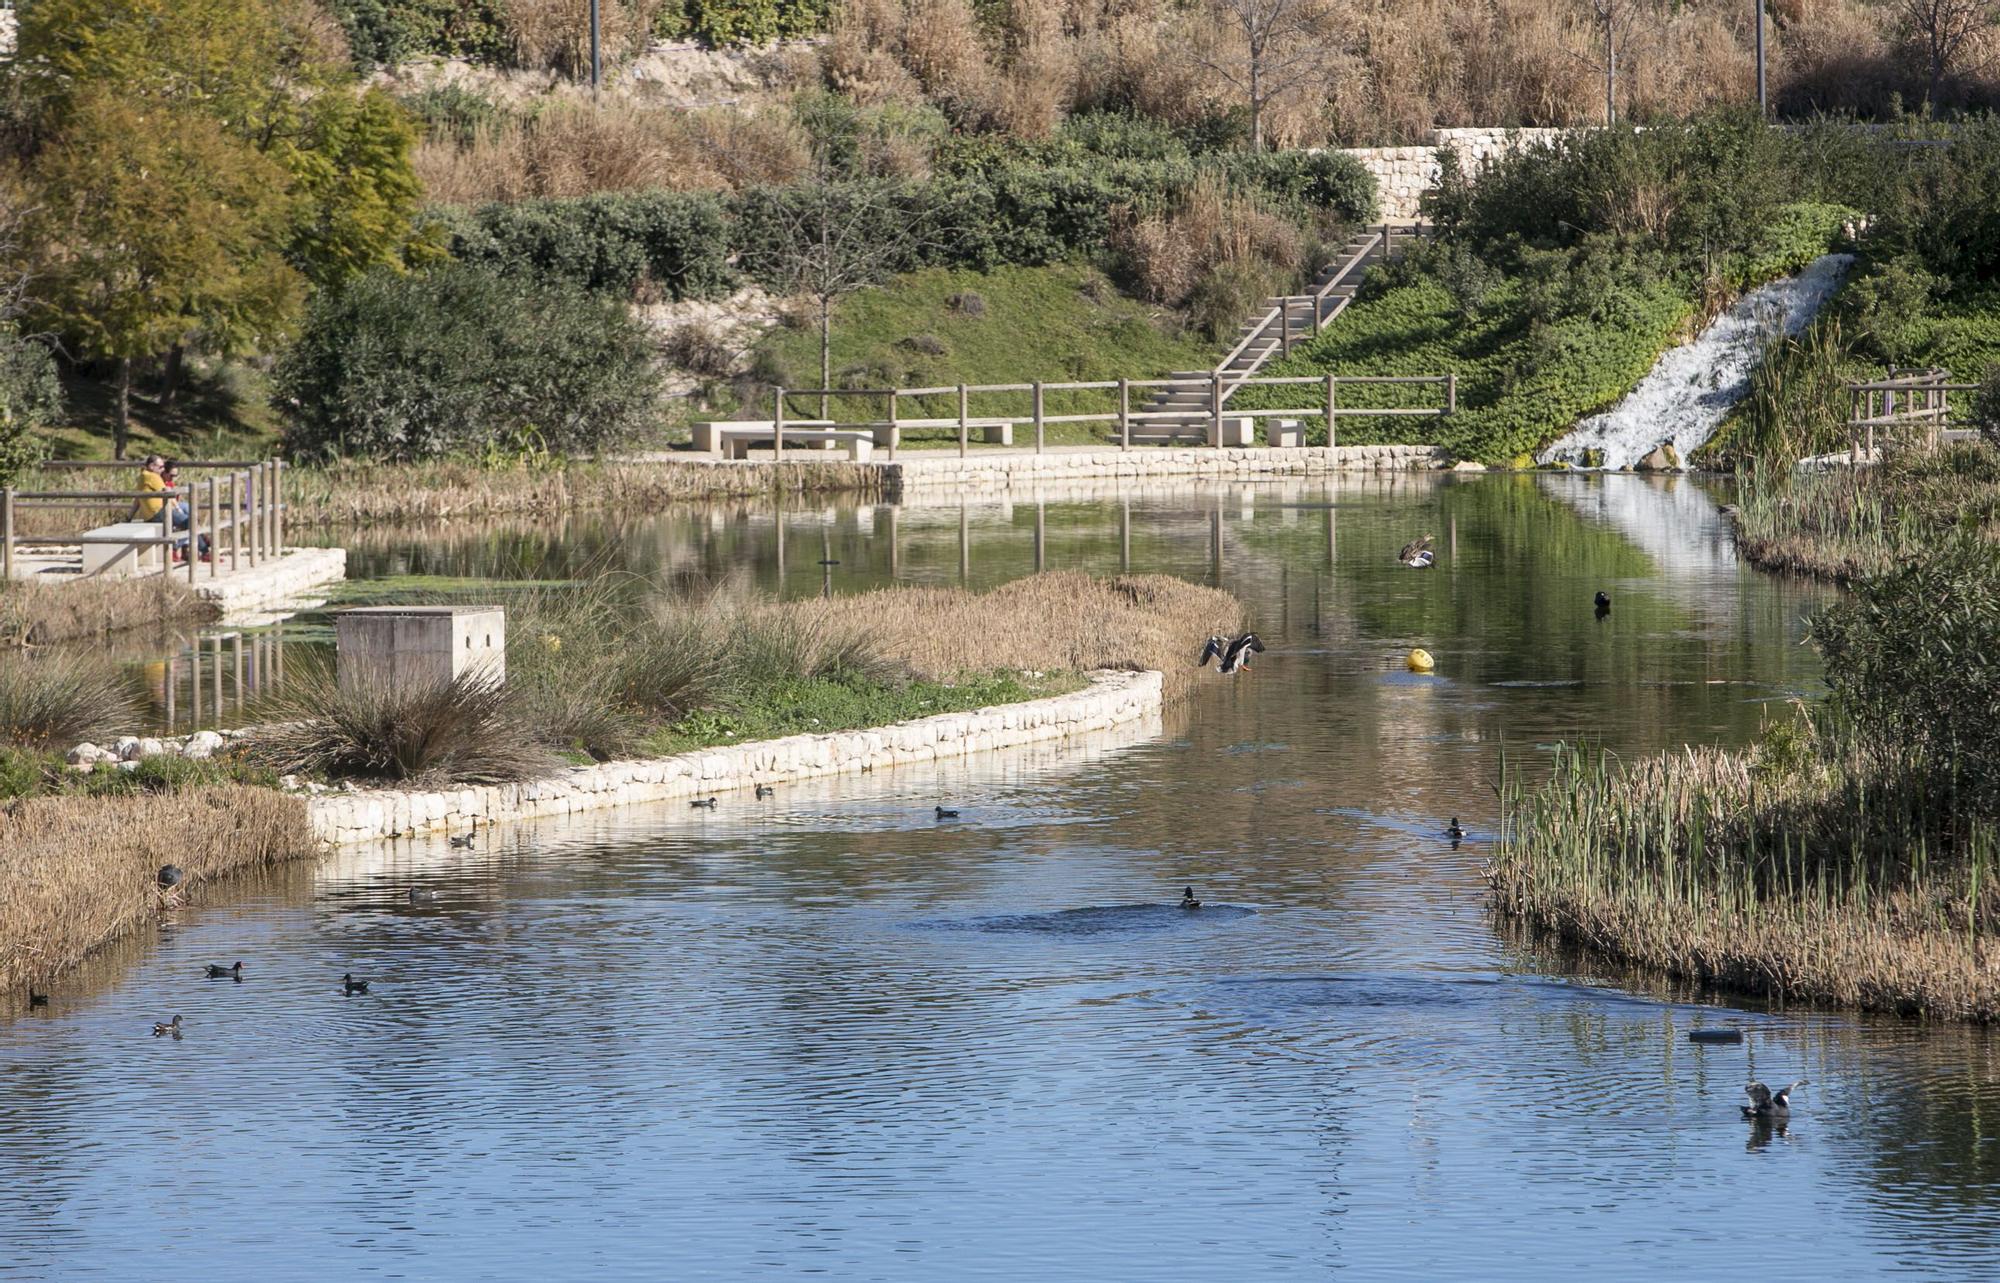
[828, 1033]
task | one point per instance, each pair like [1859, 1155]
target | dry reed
[37, 614]
[356, 492]
[1061, 620]
[80, 870]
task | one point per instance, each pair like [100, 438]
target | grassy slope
[222, 411]
[1060, 323]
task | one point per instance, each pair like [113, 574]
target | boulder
[201, 744]
[127, 748]
[1664, 458]
[86, 755]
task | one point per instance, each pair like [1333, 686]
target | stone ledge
[998, 472]
[1112, 698]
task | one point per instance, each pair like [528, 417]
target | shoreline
[1112, 698]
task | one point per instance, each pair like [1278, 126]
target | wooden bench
[859, 442]
[711, 437]
[991, 431]
[124, 549]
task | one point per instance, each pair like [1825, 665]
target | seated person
[151, 478]
[181, 514]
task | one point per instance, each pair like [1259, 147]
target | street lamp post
[597, 65]
[1763, 108]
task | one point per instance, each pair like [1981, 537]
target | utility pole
[597, 63]
[1607, 10]
[1763, 108]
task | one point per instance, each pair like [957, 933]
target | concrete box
[1283, 434]
[419, 645]
[123, 560]
[1235, 432]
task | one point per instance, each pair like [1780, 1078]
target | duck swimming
[1233, 654]
[466, 840]
[1187, 899]
[1457, 831]
[161, 1028]
[703, 804]
[1417, 554]
[1603, 604]
[37, 999]
[348, 984]
[944, 813]
[1768, 1104]
[224, 973]
[764, 791]
[423, 895]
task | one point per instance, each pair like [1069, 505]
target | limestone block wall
[1403, 174]
[1111, 699]
[996, 471]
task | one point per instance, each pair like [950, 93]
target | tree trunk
[825, 349]
[170, 376]
[1256, 103]
[123, 431]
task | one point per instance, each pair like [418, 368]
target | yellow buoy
[1420, 661]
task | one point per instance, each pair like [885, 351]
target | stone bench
[711, 437]
[1235, 431]
[1283, 434]
[858, 442]
[991, 431]
[121, 550]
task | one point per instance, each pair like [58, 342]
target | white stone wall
[1403, 174]
[996, 472]
[1111, 699]
[282, 581]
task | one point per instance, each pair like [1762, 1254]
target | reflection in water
[824, 1033]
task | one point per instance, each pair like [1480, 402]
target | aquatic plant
[55, 699]
[462, 731]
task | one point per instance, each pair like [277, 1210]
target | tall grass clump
[52, 700]
[462, 731]
[40, 614]
[1848, 859]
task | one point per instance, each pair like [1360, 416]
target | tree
[1274, 48]
[30, 397]
[1947, 33]
[156, 227]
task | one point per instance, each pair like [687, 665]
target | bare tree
[1947, 33]
[1614, 22]
[1281, 46]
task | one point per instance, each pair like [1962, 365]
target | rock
[1664, 458]
[86, 755]
[289, 783]
[151, 748]
[1467, 465]
[127, 747]
[201, 744]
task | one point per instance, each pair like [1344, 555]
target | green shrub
[52, 700]
[1986, 406]
[1798, 400]
[30, 399]
[678, 242]
[459, 360]
[386, 32]
[1888, 308]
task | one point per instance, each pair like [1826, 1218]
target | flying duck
[161, 1028]
[1603, 604]
[225, 973]
[348, 984]
[1765, 1103]
[1187, 899]
[1417, 554]
[1233, 654]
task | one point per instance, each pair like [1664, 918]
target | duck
[170, 875]
[764, 791]
[703, 804]
[1187, 899]
[161, 1028]
[423, 895]
[945, 813]
[1417, 554]
[1765, 1103]
[348, 984]
[1234, 655]
[464, 841]
[224, 973]
[37, 999]
[1603, 604]
[1457, 831]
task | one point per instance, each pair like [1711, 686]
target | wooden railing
[241, 499]
[1904, 399]
[1325, 404]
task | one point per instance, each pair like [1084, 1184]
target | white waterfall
[1690, 389]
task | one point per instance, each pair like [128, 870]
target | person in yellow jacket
[152, 477]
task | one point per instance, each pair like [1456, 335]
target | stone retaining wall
[996, 472]
[278, 587]
[1403, 174]
[1112, 698]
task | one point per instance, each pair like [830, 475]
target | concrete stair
[1265, 336]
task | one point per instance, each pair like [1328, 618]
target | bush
[1986, 406]
[54, 700]
[463, 731]
[678, 242]
[30, 399]
[1913, 661]
[386, 32]
[458, 361]
[1888, 309]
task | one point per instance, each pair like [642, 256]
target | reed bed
[81, 870]
[1847, 525]
[356, 492]
[1058, 620]
[38, 614]
[1804, 870]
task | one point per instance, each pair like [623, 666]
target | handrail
[248, 505]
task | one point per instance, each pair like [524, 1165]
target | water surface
[826, 1034]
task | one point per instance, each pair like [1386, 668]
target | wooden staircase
[1187, 409]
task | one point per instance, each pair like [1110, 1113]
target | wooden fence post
[239, 512]
[214, 526]
[1038, 416]
[278, 505]
[894, 430]
[1215, 407]
[1124, 414]
[6, 533]
[194, 531]
[254, 516]
[1332, 410]
[777, 425]
[962, 425]
[1451, 392]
